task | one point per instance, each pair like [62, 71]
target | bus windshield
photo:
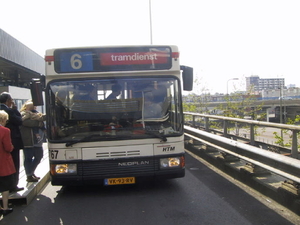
[102, 109]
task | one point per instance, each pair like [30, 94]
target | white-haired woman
[7, 167]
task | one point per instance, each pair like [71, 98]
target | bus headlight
[173, 162]
[64, 169]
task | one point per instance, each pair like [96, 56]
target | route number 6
[76, 62]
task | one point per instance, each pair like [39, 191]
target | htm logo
[168, 149]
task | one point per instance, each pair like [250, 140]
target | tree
[280, 140]
[240, 105]
[197, 102]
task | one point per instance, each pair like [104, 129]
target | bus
[114, 114]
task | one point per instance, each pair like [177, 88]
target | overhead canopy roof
[18, 63]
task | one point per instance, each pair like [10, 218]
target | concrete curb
[31, 189]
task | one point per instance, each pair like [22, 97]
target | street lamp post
[227, 93]
[230, 80]
[280, 99]
[150, 17]
[280, 111]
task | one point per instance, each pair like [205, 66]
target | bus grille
[118, 167]
[118, 154]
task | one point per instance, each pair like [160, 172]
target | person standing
[151, 108]
[7, 167]
[33, 136]
[116, 91]
[14, 122]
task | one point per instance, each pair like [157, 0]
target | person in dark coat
[14, 122]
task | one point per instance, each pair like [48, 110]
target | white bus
[114, 114]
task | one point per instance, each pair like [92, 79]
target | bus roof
[173, 47]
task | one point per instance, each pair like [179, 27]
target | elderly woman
[7, 167]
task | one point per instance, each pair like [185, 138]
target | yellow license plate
[118, 181]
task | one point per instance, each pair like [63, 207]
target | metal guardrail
[279, 164]
[252, 124]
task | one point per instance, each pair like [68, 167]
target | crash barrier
[208, 119]
[273, 162]
[261, 161]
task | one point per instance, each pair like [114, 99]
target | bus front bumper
[97, 172]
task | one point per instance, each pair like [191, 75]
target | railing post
[252, 138]
[225, 126]
[295, 145]
[194, 121]
[206, 124]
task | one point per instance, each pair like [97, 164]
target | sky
[220, 39]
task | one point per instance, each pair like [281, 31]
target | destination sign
[112, 59]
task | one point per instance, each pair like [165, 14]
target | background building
[255, 84]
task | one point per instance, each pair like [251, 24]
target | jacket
[14, 122]
[27, 132]
[7, 166]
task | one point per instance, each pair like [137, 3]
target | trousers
[32, 158]
[16, 158]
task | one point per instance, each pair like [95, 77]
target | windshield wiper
[162, 137]
[70, 143]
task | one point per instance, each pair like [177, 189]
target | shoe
[35, 176]
[6, 211]
[16, 189]
[32, 179]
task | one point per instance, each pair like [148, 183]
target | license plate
[118, 181]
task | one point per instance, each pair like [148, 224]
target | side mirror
[36, 88]
[187, 78]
